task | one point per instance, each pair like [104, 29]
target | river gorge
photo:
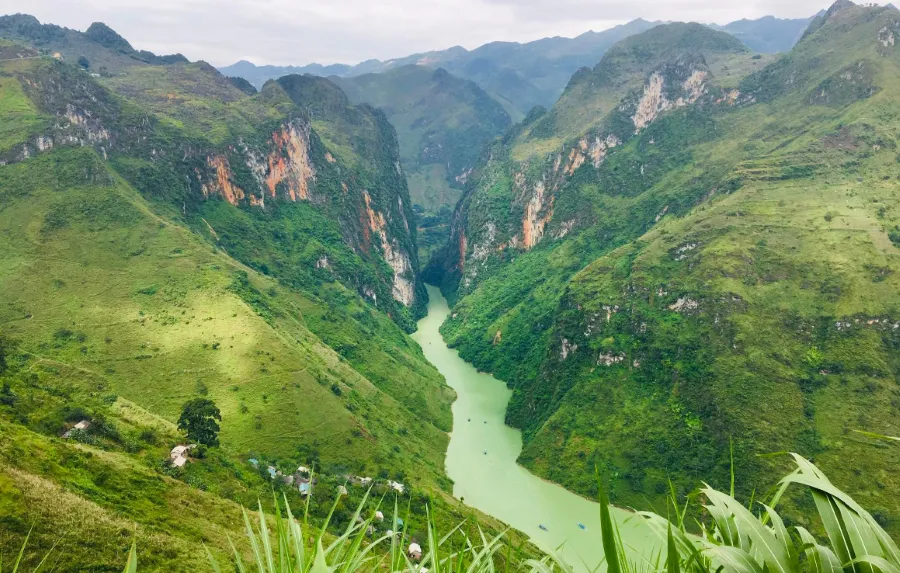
[481, 460]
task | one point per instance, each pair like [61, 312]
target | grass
[155, 317]
[21, 117]
[731, 538]
[194, 98]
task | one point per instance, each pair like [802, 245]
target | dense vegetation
[656, 277]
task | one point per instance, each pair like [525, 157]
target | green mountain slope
[102, 49]
[442, 123]
[161, 313]
[166, 236]
[711, 260]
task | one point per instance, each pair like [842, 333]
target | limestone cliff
[517, 198]
[265, 169]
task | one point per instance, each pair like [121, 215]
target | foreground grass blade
[608, 533]
[673, 559]
[131, 565]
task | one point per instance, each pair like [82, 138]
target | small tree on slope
[200, 419]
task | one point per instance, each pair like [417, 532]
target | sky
[299, 32]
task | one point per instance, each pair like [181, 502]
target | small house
[289, 480]
[361, 481]
[304, 488]
[179, 455]
[272, 472]
[415, 551]
[342, 490]
[397, 486]
[80, 426]
[253, 462]
[379, 516]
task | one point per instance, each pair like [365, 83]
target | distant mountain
[259, 75]
[518, 75]
[442, 123]
[523, 75]
[768, 35]
[99, 48]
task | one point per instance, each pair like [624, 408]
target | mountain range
[523, 75]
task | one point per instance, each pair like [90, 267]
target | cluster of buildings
[303, 480]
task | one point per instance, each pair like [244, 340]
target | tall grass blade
[131, 565]
[673, 559]
[608, 533]
[821, 558]
[751, 535]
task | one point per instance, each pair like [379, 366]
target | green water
[481, 460]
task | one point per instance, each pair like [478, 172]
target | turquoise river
[481, 460]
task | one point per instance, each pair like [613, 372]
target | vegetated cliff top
[593, 93]
[105, 50]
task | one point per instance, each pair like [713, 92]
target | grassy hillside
[167, 236]
[99, 48]
[442, 123]
[157, 315]
[736, 276]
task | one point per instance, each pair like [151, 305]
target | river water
[481, 460]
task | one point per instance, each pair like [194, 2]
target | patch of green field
[195, 98]
[157, 316]
[21, 117]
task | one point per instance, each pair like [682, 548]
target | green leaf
[673, 559]
[131, 565]
[319, 565]
[608, 532]
[821, 558]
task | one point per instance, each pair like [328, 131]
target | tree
[83, 62]
[6, 348]
[198, 420]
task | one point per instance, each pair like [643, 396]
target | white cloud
[304, 31]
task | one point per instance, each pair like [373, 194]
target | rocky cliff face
[282, 162]
[511, 203]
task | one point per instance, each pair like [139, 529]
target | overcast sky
[349, 31]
